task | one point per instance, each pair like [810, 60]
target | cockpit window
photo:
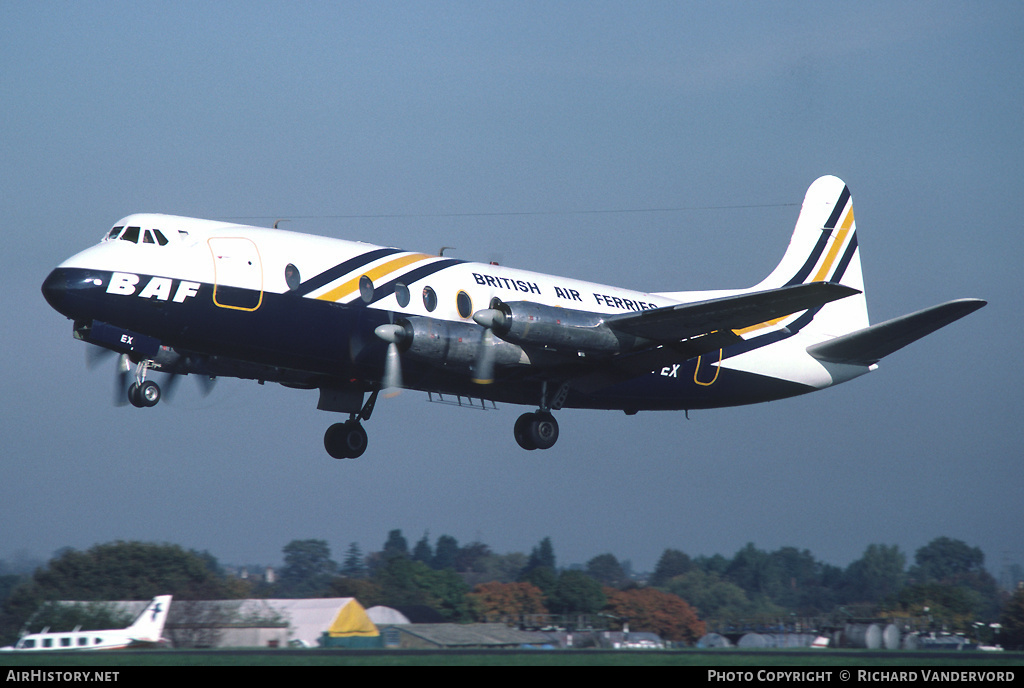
[147, 237]
[160, 238]
[131, 234]
[114, 232]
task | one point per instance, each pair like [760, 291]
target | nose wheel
[144, 395]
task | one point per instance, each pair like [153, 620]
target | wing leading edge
[673, 324]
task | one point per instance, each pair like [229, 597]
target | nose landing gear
[142, 393]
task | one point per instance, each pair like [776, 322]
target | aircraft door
[237, 273]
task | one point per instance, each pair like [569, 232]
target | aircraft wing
[673, 324]
[871, 344]
[689, 330]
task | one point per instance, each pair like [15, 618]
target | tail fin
[149, 625]
[824, 248]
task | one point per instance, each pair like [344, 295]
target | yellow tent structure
[352, 622]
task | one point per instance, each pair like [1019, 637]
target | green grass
[716, 658]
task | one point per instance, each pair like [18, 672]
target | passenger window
[47, 642]
[65, 642]
[292, 277]
[131, 234]
[83, 641]
[402, 294]
[366, 289]
[429, 299]
[464, 304]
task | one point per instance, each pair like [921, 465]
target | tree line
[443, 580]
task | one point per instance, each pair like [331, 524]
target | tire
[543, 431]
[522, 432]
[345, 440]
[134, 396]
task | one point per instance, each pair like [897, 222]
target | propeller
[488, 318]
[94, 355]
[124, 367]
[394, 334]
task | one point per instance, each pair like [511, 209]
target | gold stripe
[833, 252]
[825, 268]
[350, 287]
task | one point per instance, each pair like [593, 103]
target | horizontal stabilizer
[871, 344]
[676, 323]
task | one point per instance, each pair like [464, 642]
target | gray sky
[317, 111]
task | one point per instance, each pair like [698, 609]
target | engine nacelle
[452, 343]
[563, 329]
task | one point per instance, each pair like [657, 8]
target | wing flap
[871, 344]
[687, 320]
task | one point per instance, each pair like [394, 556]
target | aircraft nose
[55, 287]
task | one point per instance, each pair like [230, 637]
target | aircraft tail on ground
[149, 625]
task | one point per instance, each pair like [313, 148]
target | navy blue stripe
[837, 212]
[840, 270]
[342, 269]
[812, 260]
[388, 288]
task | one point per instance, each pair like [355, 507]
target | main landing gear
[348, 440]
[539, 430]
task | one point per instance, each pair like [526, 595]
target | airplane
[215, 298]
[145, 631]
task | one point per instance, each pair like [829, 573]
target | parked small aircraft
[145, 631]
[190, 296]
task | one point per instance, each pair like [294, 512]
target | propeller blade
[94, 355]
[170, 386]
[206, 384]
[392, 369]
[124, 367]
[483, 369]
[394, 335]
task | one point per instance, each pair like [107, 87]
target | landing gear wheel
[543, 431]
[149, 393]
[536, 430]
[522, 432]
[133, 395]
[145, 395]
[345, 440]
